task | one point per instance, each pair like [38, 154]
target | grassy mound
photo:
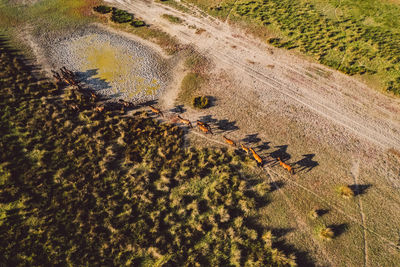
[102, 9]
[82, 187]
[121, 16]
[201, 102]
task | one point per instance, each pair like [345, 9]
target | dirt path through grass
[342, 100]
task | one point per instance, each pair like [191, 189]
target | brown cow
[245, 148]
[204, 124]
[100, 108]
[286, 166]
[184, 121]
[204, 129]
[156, 110]
[229, 141]
[256, 156]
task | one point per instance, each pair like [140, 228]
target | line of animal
[156, 110]
[184, 121]
[286, 166]
[229, 141]
[256, 156]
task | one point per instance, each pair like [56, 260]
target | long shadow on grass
[306, 163]
[251, 138]
[281, 153]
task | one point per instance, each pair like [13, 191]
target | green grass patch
[121, 16]
[191, 83]
[172, 18]
[353, 38]
[102, 9]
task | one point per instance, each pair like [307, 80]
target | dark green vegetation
[81, 187]
[201, 102]
[102, 9]
[172, 19]
[120, 16]
[350, 36]
[163, 39]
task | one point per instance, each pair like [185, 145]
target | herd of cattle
[67, 77]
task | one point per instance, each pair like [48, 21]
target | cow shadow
[281, 153]
[251, 138]
[87, 77]
[263, 146]
[306, 163]
[208, 119]
[226, 125]
[178, 109]
[359, 189]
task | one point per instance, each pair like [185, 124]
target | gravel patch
[111, 64]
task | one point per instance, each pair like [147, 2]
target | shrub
[345, 191]
[138, 23]
[102, 9]
[314, 214]
[201, 102]
[326, 233]
[172, 19]
[121, 16]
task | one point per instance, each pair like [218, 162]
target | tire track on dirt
[355, 170]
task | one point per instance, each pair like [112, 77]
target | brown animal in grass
[204, 129]
[156, 110]
[245, 148]
[204, 124]
[100, 108]
[286, 166]
[184, 121]
[74, 107]
[229, 141]
[124, 103]
[93, 96]
[256, 156]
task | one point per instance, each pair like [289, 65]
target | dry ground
[332, 128]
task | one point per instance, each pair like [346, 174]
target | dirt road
[282, 78]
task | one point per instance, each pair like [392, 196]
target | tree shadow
[302, 257]
[251, 138]
[359, 189]
[211, 101]
[321, 212]
[281, 232]
[306, 164]
[226, 125]
[339, 229]
[276, 185]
